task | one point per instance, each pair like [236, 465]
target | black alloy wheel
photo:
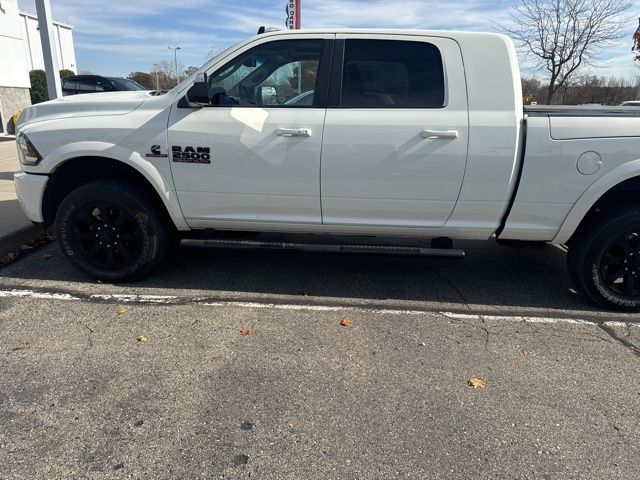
[107, 235]
[604, 259]
[113, 230]
[620, 265]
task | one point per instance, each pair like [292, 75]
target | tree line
[582, 90]
[163, 75]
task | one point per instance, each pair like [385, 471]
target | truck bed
[580, 111]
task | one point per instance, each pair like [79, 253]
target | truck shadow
[492, 277]
[489, 275]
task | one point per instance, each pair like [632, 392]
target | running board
[332, 248]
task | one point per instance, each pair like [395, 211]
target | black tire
[112, 230]
[604, 261]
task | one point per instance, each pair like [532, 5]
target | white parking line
[176, 300]
[40, 295]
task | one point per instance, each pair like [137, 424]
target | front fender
[158, 175]
[589, 198]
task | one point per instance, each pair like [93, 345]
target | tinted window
[69, 86]
[390, 73]
[103, 85]
[271, 74]
[126, 84]
[86, 85]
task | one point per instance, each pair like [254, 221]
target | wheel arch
[76, 171]
[621, 186]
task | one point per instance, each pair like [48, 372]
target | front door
[396, 133]
[253, 156]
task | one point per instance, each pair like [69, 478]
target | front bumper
[30, 190]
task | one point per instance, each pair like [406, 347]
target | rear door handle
[293, 132]
[440, 134]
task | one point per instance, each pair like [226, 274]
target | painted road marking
[176, 300]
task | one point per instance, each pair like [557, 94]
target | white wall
[63, 38]
[14, 70]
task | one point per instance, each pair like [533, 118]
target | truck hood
[90, 104]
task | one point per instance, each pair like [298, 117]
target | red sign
[293, 14]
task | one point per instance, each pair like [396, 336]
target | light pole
[175, 59]
[155, 71]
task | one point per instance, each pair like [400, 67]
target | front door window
[277, 74]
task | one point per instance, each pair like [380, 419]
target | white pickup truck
[396, 133]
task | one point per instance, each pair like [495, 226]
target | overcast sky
[117, 37]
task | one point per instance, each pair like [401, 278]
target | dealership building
[21, 52]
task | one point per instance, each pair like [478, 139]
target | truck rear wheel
[604, 261]
[112, 231]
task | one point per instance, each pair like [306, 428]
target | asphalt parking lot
[245, 370]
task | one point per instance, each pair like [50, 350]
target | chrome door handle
[440, 134]
[293, 132]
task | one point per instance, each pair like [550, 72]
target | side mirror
[269, 95]
[198, 94]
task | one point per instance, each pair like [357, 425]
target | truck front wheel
[604, 261]
[111, 230]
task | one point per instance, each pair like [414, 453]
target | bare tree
[531, 87]
[190, 70]
[563, 35]
[143, 78]
[212, 52]
[164, 74]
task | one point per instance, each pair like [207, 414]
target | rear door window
[392, 74]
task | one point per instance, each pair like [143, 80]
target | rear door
[396, 132]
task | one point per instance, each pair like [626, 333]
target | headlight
[27, 152]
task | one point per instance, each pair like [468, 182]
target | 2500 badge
[191, 154]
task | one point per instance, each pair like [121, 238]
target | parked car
[95, 83]
[390, 146]
[631, 103]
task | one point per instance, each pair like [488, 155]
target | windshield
[126, 84]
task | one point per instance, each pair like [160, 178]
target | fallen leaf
[525, 351]
[8, 258]
[245, 331]
[477, 383]
[345, 322]
[142, 339]
[122, 310]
